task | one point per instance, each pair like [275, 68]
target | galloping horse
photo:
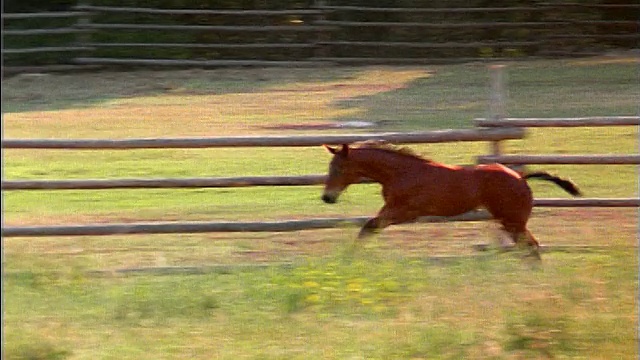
[413, 186]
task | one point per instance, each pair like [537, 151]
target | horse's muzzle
[329, 199]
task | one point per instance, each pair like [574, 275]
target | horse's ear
[330, 149]
[345, 149]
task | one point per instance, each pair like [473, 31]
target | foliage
[20, 6]
[525, 40]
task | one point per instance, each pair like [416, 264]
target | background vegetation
[578, 21]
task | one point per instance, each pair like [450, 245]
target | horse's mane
[390, 148]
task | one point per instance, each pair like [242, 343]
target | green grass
[453, 95]
[369, 306]
[311, 294]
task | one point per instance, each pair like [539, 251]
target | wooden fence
[437, 136]
[494, 131]
[56, 48]
[603, 159]
[324, 34]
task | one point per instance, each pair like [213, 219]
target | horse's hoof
[535, 254]
[480, 247]
[508, 247]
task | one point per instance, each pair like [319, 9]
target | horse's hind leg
[530, 240]
[534, 244]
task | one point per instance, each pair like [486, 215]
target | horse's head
[341, 174]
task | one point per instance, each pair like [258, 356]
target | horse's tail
[567, 185]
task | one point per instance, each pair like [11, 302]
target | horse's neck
[381, 166]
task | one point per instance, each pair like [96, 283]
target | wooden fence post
[83, 38]
[321, 36]
[497, 112]
[497, 99]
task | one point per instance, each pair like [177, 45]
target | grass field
[415, 292]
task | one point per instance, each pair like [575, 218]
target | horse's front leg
[386, 216]
[371, 227]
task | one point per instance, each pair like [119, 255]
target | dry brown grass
[181, 112]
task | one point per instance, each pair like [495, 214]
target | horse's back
[497, 169]
[498, 180]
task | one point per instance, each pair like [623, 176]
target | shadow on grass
[453, 95]
[28, 347]
[448, 98]
[46, 92]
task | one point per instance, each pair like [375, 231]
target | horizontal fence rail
[561, 159]
[447, 25]
[431, 10]
[609, 6]
[196, 63]
[204, 46]
[560, 122]
[95, 184]
[44, 15]
[203, 227]
[430, 45]
[273, 226]
[52, 31]
[270, 141]
[47, 49]
[229, 28]
[248, 181]
[586, 202]
[247, 12]
[408, 61]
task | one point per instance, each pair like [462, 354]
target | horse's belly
[454, 193]
[444, 205]
[447, 210]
